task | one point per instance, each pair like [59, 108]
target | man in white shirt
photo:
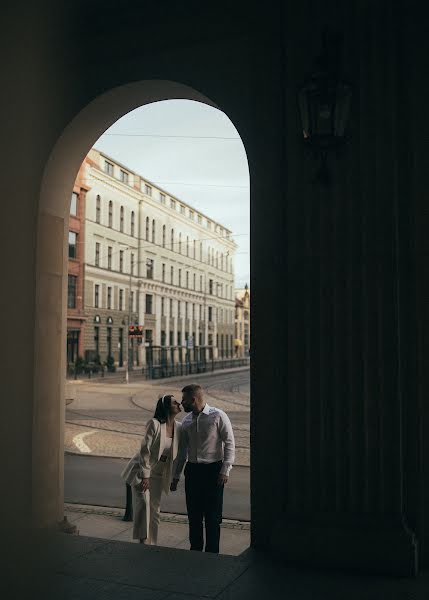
[207, 443]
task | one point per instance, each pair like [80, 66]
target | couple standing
[205, 441]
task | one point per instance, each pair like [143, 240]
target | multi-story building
[76, 269]
[242, 322]
[153, 260]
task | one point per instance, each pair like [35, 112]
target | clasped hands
[221, 480]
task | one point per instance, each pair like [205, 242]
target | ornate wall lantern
[324, 104]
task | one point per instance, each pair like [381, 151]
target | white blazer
[153, 443]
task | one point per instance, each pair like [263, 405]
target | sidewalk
[106, 523]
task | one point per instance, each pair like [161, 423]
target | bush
[110, 364]
[79, 365]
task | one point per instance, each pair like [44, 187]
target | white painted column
[157, 307]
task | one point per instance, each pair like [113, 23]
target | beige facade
[177, 264]
[242, 322]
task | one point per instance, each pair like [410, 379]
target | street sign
[135, 331]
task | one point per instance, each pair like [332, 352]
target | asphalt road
[94, 480]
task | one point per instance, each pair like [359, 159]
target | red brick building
[76, 269]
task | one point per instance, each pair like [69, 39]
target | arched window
[163, 236]
[172, 239]
[98, 210]
[110, 213]
[121, 219]
[133, 218]
[153, 231]
[147, 229]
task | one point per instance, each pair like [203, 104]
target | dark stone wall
[339, 301]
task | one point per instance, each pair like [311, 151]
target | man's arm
[227, 436]
[179, 462]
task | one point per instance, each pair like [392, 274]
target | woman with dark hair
[150, 471]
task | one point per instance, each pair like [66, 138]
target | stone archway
[51, 270]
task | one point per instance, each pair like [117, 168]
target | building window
[148, 306]
[193, 312]
[200, 219]
[186, 310]
[195, 249]
[98, 209]
[73, 204]
[172, 239]
[109, 257]
[210, 286]
[201, 251]
[246, 315]
[191, 214]
[123, 175]
[133, 218]
[180, 243]
[149, 268]
[148, 189]
[208, 224]
[121, 299]
[147, 229]
[180, 278]
[121, 261]
[163, 272]
[72, 244]
[97, 340]
[121, 219]
[182, 209]
[108, 167]
[163, 338]
[109, 297]
[71, 291]
[210, 339]
[217, 259]
[187, 245]
[171, 336]
[210, 314]
[201, 283]
[187, 279]
[195, 280]
[179, 309]
[97, 254]
[132, 262]
[171, 275]
[131, 301]
[179, 338]
[109, 341]
[96, 295]
[172, 204]
[162, 307]
[201, 313]
[110, 214]
[200, 338]
[163, 236]
[153, 231]
[162, 197]
[171, 307]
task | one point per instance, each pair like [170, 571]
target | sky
[193, 151]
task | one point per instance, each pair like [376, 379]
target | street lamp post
[127, 366]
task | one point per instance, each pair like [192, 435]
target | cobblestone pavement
[109, 419]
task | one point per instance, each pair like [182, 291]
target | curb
[108, 511]
[163, 379]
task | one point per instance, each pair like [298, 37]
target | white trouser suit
[147, 464]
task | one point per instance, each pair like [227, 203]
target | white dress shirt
[206, 438]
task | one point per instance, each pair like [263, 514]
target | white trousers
[146, 507]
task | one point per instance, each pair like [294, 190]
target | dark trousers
[204, 500]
